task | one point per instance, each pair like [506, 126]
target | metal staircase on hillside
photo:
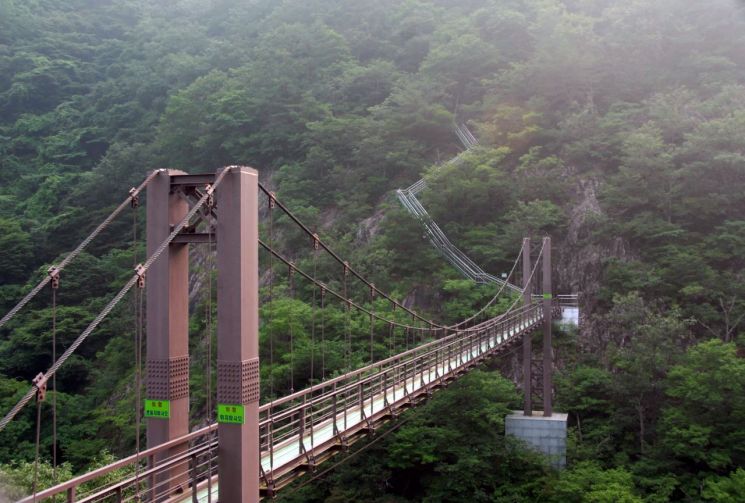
[436, 236]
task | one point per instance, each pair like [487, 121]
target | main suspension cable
[349, 270]
[133, 194]
[334, 255]
[341, 297]
[138, 276]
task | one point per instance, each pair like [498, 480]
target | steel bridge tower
[237, 330]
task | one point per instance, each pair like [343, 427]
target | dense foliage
[618, 127]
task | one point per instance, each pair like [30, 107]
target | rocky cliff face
[581, 255]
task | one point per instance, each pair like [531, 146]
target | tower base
[547, 435]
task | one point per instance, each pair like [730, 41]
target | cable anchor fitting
[372, 291]
[346, 269]
[53, 273]
[323, 290]
[140, 272]
[40, 383]
[134, 198]
[316, 242]
[210, 202]
[272, 200]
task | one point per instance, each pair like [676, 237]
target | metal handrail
[147, 453]
[357, 392]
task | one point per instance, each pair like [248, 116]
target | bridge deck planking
[288, 452]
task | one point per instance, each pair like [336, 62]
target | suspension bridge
[457, 258]
[249, 449]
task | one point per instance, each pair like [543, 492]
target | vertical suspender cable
[347, 331]
[372, 321]
[313, 344]
[270, 327]
[323, 333]
[313, 319]
[138, 320]
[208, 324]
[291, 281]
[54, 384]
[391, 336]
[38, 436]
[271, 297]
[140, 315]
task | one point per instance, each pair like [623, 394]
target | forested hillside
[616, 127]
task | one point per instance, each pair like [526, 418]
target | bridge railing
[568, 300]
[345, 404]
[121, 481]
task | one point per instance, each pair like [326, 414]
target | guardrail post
[460, 349]
[270, 440]
[238, 336]
[194, 476]
[301, 428]
[527, 341]
[167, 396]
[385, 389]
[361, 402]
[333, 409]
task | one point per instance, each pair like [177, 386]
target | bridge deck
[327, 433]
[301, 430]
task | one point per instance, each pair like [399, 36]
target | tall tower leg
[527, 339]
[167, 396]
[238, 336]
[547, 323]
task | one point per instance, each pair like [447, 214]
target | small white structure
[569, 305]
[570, 316]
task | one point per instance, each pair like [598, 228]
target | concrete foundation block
[547, 435]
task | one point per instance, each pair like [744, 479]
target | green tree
[699, 426]
[587, 482]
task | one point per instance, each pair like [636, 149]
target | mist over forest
[617, 127]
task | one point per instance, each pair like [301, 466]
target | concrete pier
[547, 435]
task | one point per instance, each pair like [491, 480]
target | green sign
[231, 414]
[158, 409]
[547, 296]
